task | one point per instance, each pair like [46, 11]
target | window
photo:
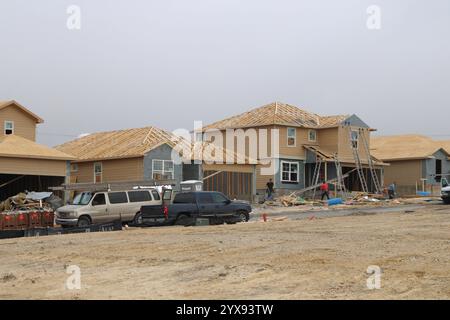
[184, 198]
[291, 137]
[139, 196]
[82, 198]
[198, 136]
[205, 198]
[99, 199]
[98, 171]
[312, 135]
[289, 171]
[219, 198]
[444, 182]
[117, 197]
[162, 169]
[438, 170]
[156, 195]
[9, 127]
[355, 138]
[74, 167]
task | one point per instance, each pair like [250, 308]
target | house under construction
[312, 149]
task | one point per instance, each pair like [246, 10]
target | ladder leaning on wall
[356, 157]
[373, 173]
[316, 174]
[340, 184]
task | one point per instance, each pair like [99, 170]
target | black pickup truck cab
[186, 207]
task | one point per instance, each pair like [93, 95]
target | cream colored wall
[404, 173]
[344, 147]
[24, 125]
[328, 139]
[301, 140]
[40, 167]
[113, 170]
[261, 180]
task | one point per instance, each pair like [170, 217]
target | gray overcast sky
[170, 62]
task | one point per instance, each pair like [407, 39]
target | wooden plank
[121, 185]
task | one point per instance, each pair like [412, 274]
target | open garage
[28, 166]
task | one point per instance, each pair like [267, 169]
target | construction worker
[269, 190]
[324, 188]
[391, 190]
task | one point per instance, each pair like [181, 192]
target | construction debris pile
[355, 198]
[31, 210]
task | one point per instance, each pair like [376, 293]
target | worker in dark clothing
[324, 188]
[269, 189]
[391, 191]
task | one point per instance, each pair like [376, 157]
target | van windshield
[444, 183]
[82, 199]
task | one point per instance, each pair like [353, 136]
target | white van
[102, 207]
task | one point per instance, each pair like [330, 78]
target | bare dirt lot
[302, 259]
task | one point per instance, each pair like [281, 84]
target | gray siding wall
[429, 167]
[290, 186]
[163, 152]
[355, 121]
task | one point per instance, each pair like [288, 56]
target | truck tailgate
[153, 215]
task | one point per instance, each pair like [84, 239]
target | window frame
[294, 137]
[99, 195]
[117, 192]
[74, 167]
[354, 140]
[163, 171]
[309, 135]
[4, 127]
[98, 174]
[290, 171]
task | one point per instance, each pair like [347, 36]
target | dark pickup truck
[186, 207]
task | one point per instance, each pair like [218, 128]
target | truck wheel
[138, 218]
[83, 222]
[243, 216]
[183, 220]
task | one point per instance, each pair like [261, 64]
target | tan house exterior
[302, 137]
[416, 162]
[25, 164]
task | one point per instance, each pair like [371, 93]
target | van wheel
[446, 200]
[243, 216]
[183, 220]
[84, 222]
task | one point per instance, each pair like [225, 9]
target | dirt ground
[303, 259]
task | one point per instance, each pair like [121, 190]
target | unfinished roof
[18, 147]
[132, 143]
[404, 147]
[4, 104]
[117, 144]
[277, 113]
